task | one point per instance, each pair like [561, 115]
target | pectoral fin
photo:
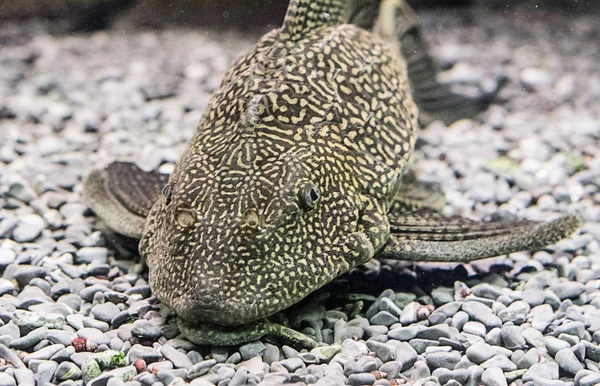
[122, 195]
[428, 236]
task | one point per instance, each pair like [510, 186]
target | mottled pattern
[296, 175]
[239, 237]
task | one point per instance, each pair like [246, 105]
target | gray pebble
[32, 338]
[480, 352]
[409, 313]
[292, 364]
[530, 358]
[148, 354]
[533, 296]
[405, 333]
[201, 368]
[67, 370]
[475, 328]
[482, 313]
[515, 313]
[45, 353]
[438, 331]
[145, 329]
[388, 305]
[88, 255]
[179, 359]
[7, 380]
[361, 379]
[499, 361]
[512, 337]
[29, 227]
[354, 349]
[11, 357]
[567, 361]
[383, 351]
[384, 318]
[7, 257]
[493, 376]
[568, 289]
[545, 370]
[392, 368]
[252, 349]
[105, 312]
[542, 316]
[94, 335]
[24, 377]
[45, 372]
[442, 359]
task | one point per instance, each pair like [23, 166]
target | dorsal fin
[305, 16]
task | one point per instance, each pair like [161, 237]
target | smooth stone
[405, 333]
[148, 354]
[7, 380]
[530, 358]
[383, 318]
[6, 286]
[201, 368]
[11, 357]
[499, 361]
[512, 338]
[94, 335]
[479, 352]
[45, 372]
[546, 370]
[442, 359]
[568, 290]
[24, 377]
[383, 351]
[482, 313]
[567, 361]
[29, 227]
[88, 255]
[493, 376]
[67, 370]
[179, 359]
[105, 311]
[144, 329]
[516, 313]
[44, 354]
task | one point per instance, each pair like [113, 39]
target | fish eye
[309, 195]
[185, 217]
[251, 218]
[166, 192]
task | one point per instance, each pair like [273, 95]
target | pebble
[29, 227]
[482, 313]
[567, 361]
[493, 376]
[105, 311]
[179, 359]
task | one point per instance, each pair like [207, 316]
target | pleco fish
[297, 173]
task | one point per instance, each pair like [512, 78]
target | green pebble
[90, 370]
[109, 359]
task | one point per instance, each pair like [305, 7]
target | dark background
[244, 14]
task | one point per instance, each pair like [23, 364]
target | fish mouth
[222, 312]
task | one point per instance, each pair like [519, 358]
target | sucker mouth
[224, 313]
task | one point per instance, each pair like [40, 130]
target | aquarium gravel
[75, 306]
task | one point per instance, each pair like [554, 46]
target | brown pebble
[140, 365]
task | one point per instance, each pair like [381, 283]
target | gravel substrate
[75, 305]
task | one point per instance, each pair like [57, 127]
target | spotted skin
[296, 174]
[331, 112]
